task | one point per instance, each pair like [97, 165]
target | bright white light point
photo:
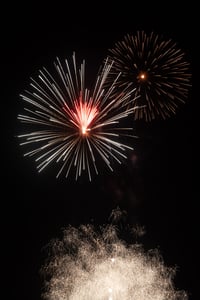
[84, 130]
[112, 259]
[80, 268]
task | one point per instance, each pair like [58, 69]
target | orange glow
[143, 76]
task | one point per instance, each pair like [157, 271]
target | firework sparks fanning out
[96, 265]
[158, 70]
[73, 124]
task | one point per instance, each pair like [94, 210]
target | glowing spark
[95, 265]
[75, 126]
[142, 76]
[157, 68]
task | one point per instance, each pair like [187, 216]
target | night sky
[155, 186]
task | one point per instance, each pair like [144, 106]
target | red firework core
[82, 115]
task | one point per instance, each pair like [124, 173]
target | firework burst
[157, 68]
[74, 125]
[94, 264]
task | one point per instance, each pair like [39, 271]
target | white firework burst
[72, 125]
[95, 264]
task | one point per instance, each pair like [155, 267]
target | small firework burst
[71, 125]
[157, 68]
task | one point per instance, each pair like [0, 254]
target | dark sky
[156, 188]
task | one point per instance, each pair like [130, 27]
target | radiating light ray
[72, 125]
[157, 68]
[94, 264]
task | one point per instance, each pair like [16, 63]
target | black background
[156, 187]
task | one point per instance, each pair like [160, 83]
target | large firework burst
[72, 125]
[94, 264]
[157, 68]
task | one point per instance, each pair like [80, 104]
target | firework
[157, 68]
[72, 125]
[94, 264]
